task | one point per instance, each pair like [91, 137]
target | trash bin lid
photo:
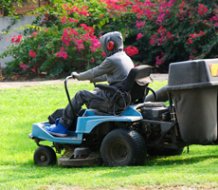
[193, 74]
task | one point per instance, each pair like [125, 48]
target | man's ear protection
[110, 45]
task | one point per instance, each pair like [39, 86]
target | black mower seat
[130, 91]
[135, 83]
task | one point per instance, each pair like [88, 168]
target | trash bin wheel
[45, 156]
[123, 147]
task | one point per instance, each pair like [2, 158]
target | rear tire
[123, 147]
[45, 156]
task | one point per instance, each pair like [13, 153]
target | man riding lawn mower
[122, 125]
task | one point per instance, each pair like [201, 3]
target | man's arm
[100, 79]
[104, 68]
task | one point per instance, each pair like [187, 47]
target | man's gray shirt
[113, 69]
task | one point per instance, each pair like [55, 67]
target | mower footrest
[39, 132]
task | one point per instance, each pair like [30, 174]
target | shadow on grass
[155, 162]
[183, 159]
[157, 165]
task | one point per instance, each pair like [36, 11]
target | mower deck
[69, 160]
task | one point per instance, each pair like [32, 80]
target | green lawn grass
[21, 107]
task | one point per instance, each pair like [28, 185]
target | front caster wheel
[123, 147]
[44, 156]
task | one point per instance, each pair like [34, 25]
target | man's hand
[75, 75]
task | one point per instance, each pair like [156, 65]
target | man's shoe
[57, 129]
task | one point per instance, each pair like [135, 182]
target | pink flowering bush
[166, 31]
[156, 32]
[62, 44]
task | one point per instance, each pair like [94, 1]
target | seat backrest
[130, 84]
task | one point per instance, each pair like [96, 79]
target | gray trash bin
[193, 87]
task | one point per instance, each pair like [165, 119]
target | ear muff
[110, 45]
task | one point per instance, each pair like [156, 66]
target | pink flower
[215, 20]
[83, 11]
[88, 29]
[140, 24]
[16, 39]
[23, 66]
[182, 13]
[137, 9]
[161, 30]
[202, 9]
[161, 37]
[149, 14]
[117, 6]
[103, 54]
[79, 44]
[68, 35]
[92, 60]
[73, 20]
[194, 36]
[34, 70]
[159, 59]
[169, 36]
[32, 53]
[62, 53]
[160, 18]
[171, 3]
[79, 10]
[66, 38]
[148, 3]
[34, 34]
[131, 50]
[189, 41]
[95, 44]
[139, 36]
[64, 20]
[66, 7]
[153, 39]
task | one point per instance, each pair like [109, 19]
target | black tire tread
[140, 149]
[52, 159]
[135, 141]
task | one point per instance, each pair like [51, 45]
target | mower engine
[160, 129]
[157, 112]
